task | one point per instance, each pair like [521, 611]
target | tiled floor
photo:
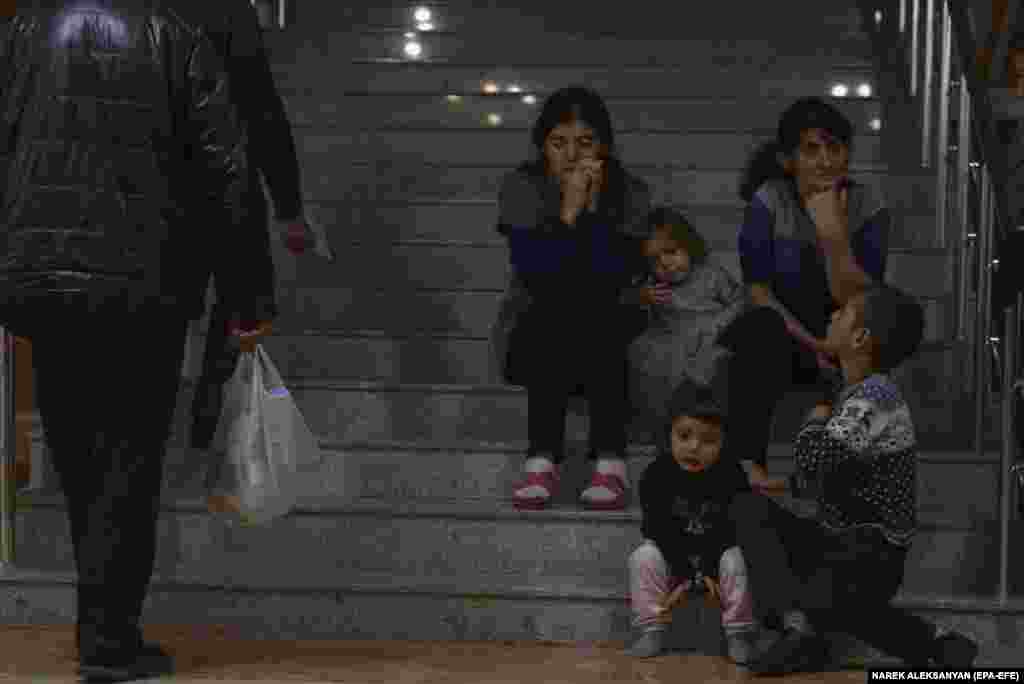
[46, 655]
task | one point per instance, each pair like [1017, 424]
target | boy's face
[669, 260]
[846, 334]
[696, 443]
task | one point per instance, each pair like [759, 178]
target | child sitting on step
[839, 571]
[689, 544]
[690, 302]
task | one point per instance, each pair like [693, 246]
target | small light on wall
[409, 35]
[864, 90]
[424, 26]
[530, 99]
[454, 99]
[490, 87]
[422, 15]
[878, 16]
[494, 119]
[514, 89]
[413, 49]
[875, 124]
[840, 90]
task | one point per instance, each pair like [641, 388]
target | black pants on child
[566, 352]
[107, 385]
[843, 583]
[767, 362]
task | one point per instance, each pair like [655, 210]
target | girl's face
[669, 259]
[568, 143]
[696, 443]
[818, 163]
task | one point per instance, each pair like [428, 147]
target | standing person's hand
[825, 355]
[576, 183]
[247, 337]
[296, 236]
[828, 208]
[595, 169]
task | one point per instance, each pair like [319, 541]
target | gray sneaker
[650, 643]
[742, 647]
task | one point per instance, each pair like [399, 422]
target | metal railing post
[927, 87]
[963, 170]
[1008, 448]
[915, 23]
[903, 17]
[981, 323]
[942, 172]
[8, 451]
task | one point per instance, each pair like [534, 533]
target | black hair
[804, 114]
[895, 321]
[579, 103]
[680, 230]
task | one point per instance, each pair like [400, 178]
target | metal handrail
[1008, 454]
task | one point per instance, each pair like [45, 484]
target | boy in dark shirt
[839, 571]
[689, 544]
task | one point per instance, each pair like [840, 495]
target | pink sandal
[616, 485]
[547, 480]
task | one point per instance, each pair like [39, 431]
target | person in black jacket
[234, 29]
[125, 170]
[689, 542]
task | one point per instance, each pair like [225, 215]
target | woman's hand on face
[828, 208]
[595, 169]
[576, 181]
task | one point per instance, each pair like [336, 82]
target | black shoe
[793, 652]
[954, 651]
[118, 662]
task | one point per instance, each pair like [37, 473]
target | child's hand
[657, 294]
[821, 411]
[714, 595]
[664, 609]
[761, 482]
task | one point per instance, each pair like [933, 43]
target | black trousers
[219, 361]
[569, 352]
[767, 362]
[107, 385]
[843, 583]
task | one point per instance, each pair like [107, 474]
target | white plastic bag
[260, 444]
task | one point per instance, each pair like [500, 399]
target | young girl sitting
[689, 543]
[690, 302]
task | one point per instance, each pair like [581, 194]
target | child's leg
[649, 584]
[737, 606]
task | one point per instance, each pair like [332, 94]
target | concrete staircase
[406, 531]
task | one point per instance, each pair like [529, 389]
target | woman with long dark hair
[811, 239]
[571, 217]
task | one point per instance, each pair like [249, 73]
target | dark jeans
[219, 361]
[843, 583]
[767, 362]
[107, 385]
[569, 352]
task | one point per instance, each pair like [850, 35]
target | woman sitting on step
[811, 239]
[572, 217]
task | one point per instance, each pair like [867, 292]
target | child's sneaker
[650, 643]
[742, 646]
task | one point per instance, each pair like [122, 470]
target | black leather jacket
[126, 164]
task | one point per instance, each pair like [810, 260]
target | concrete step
[374, 112]
[647, 20]
[474, 220]
[368, 612]
[486, 474]
[792, 77]
[482, 547]
[681, 180]
[554, 47]
[391, 356]
[485, 266]
[410, 148]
